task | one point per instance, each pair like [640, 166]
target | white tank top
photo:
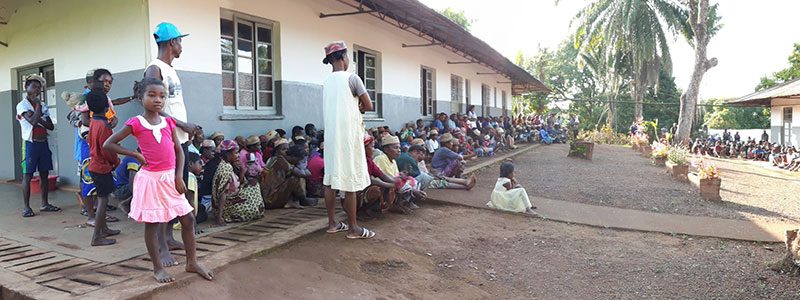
[174, 107]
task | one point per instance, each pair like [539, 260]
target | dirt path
[619, 177]
[461, 253]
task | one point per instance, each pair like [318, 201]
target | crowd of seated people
[732, 146]
[238, 179]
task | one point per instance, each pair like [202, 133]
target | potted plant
[678, 162]
[708, 180]
[659, 153]
[579, 147]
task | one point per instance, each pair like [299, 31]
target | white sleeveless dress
[345, 159]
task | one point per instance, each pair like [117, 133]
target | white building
[784, 103]
[414, 61]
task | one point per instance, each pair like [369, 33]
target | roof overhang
[438, 30]
[8, 8]
[789, 90]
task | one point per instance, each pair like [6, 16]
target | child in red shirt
[101, 164]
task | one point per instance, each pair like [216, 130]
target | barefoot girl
[159, 186]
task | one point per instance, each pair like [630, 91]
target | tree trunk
[638, 97]
[698, 14]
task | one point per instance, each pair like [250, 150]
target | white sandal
[339, 228]
[365, 234]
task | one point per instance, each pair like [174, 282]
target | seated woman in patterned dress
[237, 199]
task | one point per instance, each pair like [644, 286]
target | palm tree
[631, 35]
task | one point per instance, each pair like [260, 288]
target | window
[485, 98]
[495, 98]
[505, 105]
[468, 94]
[456, 93]
[247, 64]
[367, 63]
[786, 135]
[428, 91]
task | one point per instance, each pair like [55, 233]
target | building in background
[784, 103]
[250, 66]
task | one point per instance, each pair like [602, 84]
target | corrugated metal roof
[413, 14]
[789, 89]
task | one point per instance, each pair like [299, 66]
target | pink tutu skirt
[155, 199]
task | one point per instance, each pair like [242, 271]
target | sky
[755, 41]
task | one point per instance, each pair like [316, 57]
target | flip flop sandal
[365, 234]
[339, 228]
[111, 219]
[27, 213]
[50, 208]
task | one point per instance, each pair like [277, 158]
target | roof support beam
[461, 62]
[504, 82]
[322, 15]
[487, 73]
[421, 45]
[4, 44]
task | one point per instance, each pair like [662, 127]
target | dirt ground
[445, 252]
[620, 177]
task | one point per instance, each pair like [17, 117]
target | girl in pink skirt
[158, 188]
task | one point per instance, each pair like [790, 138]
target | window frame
[486, 96]
[271, 58]
[467, 93]
[377, 99]
[504, 103]
[425, 87]
[456, 93]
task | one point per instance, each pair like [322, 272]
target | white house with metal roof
[784, 103]
[249, 66]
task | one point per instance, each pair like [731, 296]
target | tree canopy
[458, 17]
[789, 73]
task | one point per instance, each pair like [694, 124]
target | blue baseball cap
[166, 32]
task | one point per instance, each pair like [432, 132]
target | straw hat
[217, 134]
[208, 144]
[252, 140]
[446, 138]
[281, 141]
[389, 140]
[271, 135]
[417, 141]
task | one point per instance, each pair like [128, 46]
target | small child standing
[158, 189]
[508, 194]
[101, 164]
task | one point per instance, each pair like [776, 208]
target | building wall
[75, 36]
[60, 29]
[776, 121]
[301, 37]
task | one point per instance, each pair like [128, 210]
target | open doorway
[47, 71]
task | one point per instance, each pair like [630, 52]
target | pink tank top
[155, 142]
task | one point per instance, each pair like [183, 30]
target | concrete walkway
[629, 219]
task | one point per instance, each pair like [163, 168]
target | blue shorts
[36, 157]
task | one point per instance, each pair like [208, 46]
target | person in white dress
[344, 98]
[508, 195]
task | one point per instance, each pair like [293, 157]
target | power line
[643, 103]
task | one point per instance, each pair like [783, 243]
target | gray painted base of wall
[775, 135]
[301, 104]
[7, 119]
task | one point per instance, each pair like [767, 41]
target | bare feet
[90, 222]
[201, 270]
[471, 182]
[110, 232]
[175, 245]
[294, 204]
[162, 276]
[166, 259]
[103, 241]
